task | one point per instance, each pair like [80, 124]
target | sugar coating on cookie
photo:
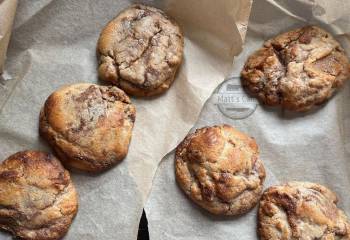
[37, 198]
[301, 210]
[297, 69]
[219, 169]
[140, 51]
[89, 126]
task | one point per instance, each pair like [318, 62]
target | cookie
[297, 69]
[37, 198]
[219, 169]
[140, 51]
[301, 210]
[88, 126]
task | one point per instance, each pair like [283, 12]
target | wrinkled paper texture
[313, 146]
[54, 43]
[7, 15]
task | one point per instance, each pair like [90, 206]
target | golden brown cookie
[297, 69]
[140, 51]
[37, 198]
[301, 210]
[219, 168]
[88, 126]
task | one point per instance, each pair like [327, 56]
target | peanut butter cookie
[37, 198]
[140, 51]
[219, 168]
[297, 69]
[301, 210]
[88, 126]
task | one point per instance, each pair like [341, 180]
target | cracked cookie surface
[88, 126]
[297, 69]
[301, 210]
[219, 169]
[140, 51]
[37, 198]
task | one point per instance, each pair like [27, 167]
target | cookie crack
[147, 47]
[57, 197]
[142, 55]
[283, 63]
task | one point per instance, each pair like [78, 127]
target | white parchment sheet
[307, 147]
[54, 43]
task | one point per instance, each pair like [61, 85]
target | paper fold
[7, 15]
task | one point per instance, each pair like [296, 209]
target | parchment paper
[7, 15]
[54, 44]
[307, 147]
